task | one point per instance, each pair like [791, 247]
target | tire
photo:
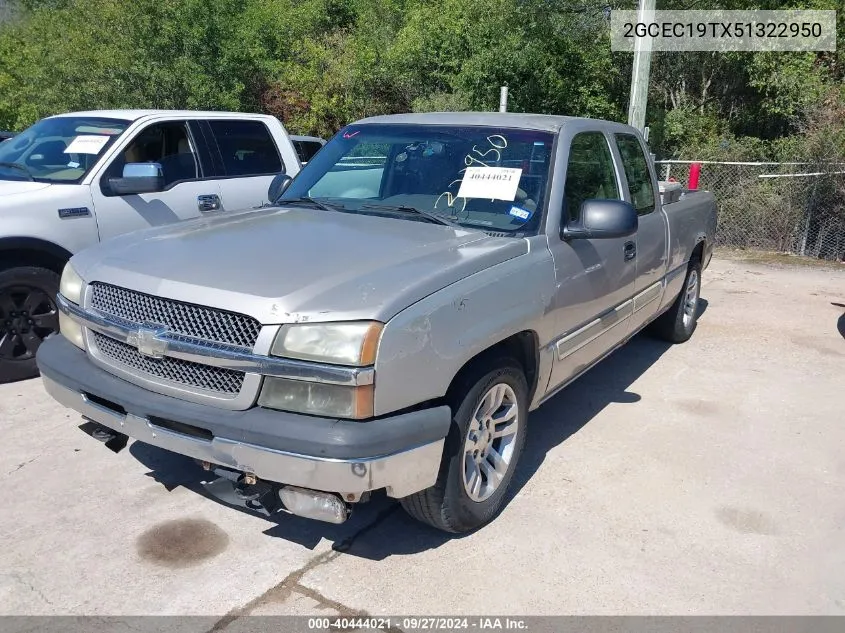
[28, 315]
[448, 505]
[678, 323]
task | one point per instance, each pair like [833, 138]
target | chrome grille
[206, 377]
[182, 318]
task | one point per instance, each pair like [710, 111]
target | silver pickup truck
[423, 284]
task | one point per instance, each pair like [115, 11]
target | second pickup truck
[72, 180]
[423, 283]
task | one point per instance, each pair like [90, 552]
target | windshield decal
[521, 214]
[351, 134]
[86, 144]
[492, 183]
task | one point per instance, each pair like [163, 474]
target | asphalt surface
[704, 478]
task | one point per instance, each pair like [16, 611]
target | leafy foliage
[319, 64]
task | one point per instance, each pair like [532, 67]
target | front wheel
[480, 455]
[28, 315]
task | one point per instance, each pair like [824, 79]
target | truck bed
[685, 229]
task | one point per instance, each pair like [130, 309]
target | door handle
[209, 202]
[630, 250]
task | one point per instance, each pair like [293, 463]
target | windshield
[58, 150]
[482, 177]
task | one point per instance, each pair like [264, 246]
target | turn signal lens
[315, 398]
[71, 330]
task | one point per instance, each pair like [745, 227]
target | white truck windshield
[59, 149]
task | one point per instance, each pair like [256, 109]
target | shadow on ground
[550, 426]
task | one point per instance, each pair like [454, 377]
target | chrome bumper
[401, 474]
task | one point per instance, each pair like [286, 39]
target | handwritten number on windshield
[497, 143]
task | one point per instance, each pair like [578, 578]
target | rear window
[246, 147]
[306, 149]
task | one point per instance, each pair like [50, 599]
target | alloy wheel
[27, 316]
[490, 442]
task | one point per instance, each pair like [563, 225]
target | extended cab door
[186, 193]
[653, 232]
[595, 277]
[246, 158]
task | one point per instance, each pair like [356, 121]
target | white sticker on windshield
[493, 183]
[87, 144]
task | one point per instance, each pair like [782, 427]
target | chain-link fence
[788, 207]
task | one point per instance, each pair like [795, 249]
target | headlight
[353, 343]
[317, 398]
[71, 284]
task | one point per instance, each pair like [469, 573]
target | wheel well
[522, 346]
[698, 252]
[16, 252]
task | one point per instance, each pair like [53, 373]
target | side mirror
[277, 187]
[602, 219]
[138, 178]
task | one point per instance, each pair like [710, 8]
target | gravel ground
[705, 478]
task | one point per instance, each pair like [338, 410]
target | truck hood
[294, 264]
[13, 187]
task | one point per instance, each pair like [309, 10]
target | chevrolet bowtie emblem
[148, 341]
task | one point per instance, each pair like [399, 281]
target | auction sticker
[493, 183]
[87, 144]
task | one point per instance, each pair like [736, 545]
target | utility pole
[641, 69]
[503, 99]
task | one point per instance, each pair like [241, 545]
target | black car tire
[447, 505]
[678, 323]
[28, 315]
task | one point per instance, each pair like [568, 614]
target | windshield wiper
[401, 208]
[22, 168]
[325, 206]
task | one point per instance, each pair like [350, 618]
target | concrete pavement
[704, 478]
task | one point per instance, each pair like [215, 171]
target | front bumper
[400, 453]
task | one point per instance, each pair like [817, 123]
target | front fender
[423, 347]
[61, 215]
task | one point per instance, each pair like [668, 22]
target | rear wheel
[28, 315]
[481, 452]
[678, 323]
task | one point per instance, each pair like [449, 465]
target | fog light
[71, 330]
[322, 506]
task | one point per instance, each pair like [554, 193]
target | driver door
[175, 148]
[595, 277]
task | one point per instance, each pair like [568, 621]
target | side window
[589, 172]
[165, 143]
[636, 171]
[247, 148]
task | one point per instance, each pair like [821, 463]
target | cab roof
[134, 115]
[543, 122]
